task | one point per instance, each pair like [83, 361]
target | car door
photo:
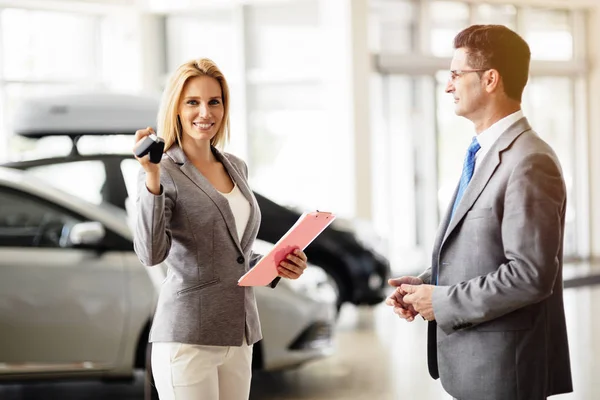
[62, 308]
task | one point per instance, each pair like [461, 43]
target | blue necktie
[465, 178]
[467, 173]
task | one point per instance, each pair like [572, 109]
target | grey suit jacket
[500, 331]
[191, 227]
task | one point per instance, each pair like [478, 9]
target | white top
[488, 137]
[240, 208]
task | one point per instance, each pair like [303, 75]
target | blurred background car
[75, 301]
[348, 252]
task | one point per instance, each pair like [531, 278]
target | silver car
[76, 301]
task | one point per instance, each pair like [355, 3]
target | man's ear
[492, 80]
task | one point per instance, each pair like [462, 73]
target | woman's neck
[199, 152]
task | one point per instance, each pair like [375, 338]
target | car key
[152, 145]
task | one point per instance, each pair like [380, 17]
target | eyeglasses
[457, 73]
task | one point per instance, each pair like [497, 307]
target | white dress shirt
[488, 137]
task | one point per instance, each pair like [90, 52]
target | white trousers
[191, 372]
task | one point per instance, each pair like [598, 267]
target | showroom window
[45, 52]
[192, 35]
[273, 58]
[447, 19]
[557, 65]
[392, 27]
[549, 33]
[47, 46]
[503, 14]
[555, 121]
[285, 101]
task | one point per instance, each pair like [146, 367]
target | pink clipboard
[305, 230]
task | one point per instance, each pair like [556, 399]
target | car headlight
[375, 281]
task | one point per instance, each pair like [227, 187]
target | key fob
[152, 145]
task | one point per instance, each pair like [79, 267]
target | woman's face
[201, 108]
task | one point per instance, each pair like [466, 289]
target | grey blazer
[500, 331]
[191, 227]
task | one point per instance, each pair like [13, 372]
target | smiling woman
[197, 93]
[201, 108]
[197, 213]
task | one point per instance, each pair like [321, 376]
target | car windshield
[58, 186]
[84, 179]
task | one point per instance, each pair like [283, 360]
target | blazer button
[240, 260]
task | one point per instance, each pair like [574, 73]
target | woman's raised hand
[152, 170]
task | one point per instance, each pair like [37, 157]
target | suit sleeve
[152, 239]
[425, 276]
[532, 224]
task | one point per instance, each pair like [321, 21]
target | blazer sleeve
[152, 238]
[425, 276]
[534, 206]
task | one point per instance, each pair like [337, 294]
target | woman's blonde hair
[168, 124]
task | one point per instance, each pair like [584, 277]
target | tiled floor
[379, 357]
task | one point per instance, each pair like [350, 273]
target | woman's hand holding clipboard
[305, 230]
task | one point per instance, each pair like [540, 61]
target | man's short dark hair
[497, 47]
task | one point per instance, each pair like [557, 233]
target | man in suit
[493, 295]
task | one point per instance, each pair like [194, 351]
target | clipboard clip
[328, 214]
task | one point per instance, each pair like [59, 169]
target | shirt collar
[489, 136]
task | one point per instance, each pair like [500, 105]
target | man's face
[465, 85]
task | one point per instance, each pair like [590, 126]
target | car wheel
[257, 356]
[150, 392]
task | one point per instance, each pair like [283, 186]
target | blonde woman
[197, 213]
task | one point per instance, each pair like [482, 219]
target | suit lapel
[189, 170]
[435, 262]
[445, 222]
[480, 179]
[242, 184]
[484, 173]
